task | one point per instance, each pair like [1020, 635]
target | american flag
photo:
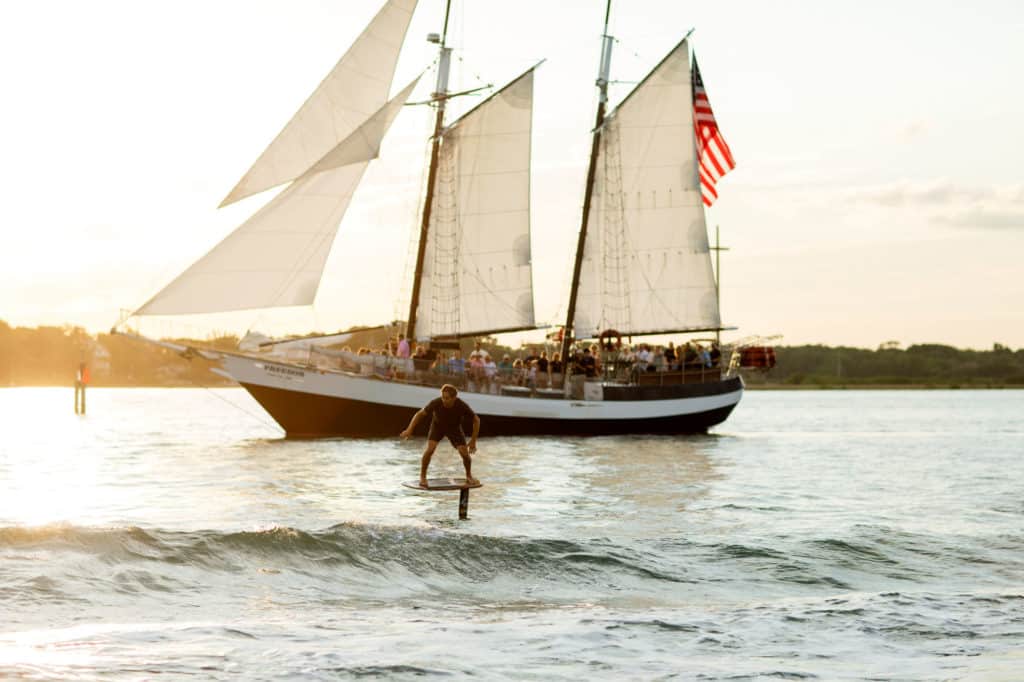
[712, 152]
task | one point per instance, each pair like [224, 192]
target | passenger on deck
[577, 374]
[543, 371]
[670, 356]
[531, 376]
[518, 373]
[421, 363]
[643, 357]
[658, 361]
[382, 364]
[401, 365]
[705, 355]
[457, 367]
[505, 369]
[490, 373]
[690, 357]
[555, 369]
[403, 347]
[575, 367]
[588, 364]
[475, 371]
[716, 355]
[623, 362]
[440, 366]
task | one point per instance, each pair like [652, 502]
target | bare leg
[467, 462]
[425, 462]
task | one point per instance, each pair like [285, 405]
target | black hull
[309, 415]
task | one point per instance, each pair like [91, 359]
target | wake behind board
[459, 484]
[443, 484]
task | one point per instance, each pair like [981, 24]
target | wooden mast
[440, 96]
[602, 85]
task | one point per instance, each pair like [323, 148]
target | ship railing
[407, 371]
[690, 373]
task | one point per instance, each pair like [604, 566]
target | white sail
[364, 142]
[477, 276]
[277, 257]
[646, 265]
[354, 89]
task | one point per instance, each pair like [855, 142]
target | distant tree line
[922, 364]
[49, 356]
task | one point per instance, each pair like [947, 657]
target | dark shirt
[589, 366]
[542, 365]
[448, 418]
[556, 366]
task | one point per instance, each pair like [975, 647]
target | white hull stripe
[367, 389]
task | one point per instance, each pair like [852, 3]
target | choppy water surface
[832, 535]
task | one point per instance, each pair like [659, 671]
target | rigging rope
[262, 421]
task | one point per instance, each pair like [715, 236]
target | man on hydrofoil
[447, 414]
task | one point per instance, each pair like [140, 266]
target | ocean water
[838, 535]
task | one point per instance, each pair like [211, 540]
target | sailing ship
[642, 264]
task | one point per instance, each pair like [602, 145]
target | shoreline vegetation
[50, 356]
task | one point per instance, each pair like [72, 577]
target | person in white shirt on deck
[490, 372]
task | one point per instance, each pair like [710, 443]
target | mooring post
[463, 504]
[85, 383]
[81, 380]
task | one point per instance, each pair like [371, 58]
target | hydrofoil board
[443, 484]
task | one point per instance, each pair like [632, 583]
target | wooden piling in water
[81, 381]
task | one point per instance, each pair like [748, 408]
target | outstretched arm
[476, 432]
[412, 424]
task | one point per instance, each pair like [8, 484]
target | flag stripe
[714, 156]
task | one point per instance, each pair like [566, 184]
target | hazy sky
[879, 193]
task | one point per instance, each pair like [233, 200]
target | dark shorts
[455, 436]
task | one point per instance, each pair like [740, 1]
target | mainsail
[354, 89]
[646, 265]
[277, 257]
[477, 276]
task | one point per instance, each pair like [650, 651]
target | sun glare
[49, 473]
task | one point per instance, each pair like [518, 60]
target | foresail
[274, 259]
[646, 265]
[477, 275]
[277, 257]
[364, 142]
[354, 89]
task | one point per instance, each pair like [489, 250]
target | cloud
[913, 129]
[950, 204]
[987, 219]
[916, 194]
